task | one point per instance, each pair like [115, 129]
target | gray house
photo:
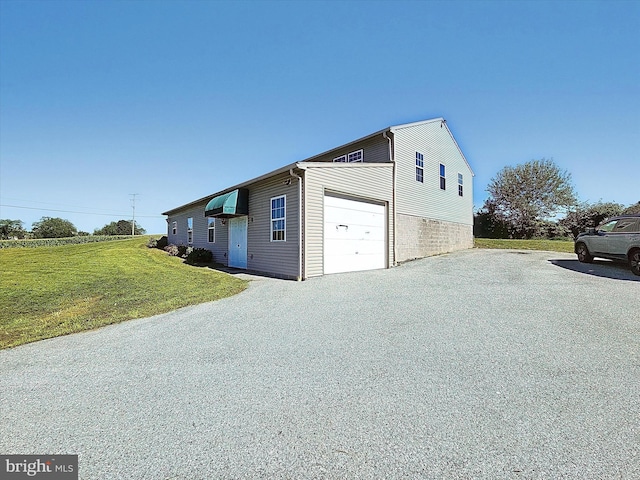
[401, 193]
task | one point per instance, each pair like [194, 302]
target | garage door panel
[354, 235]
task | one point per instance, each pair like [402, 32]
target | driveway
[478, 364]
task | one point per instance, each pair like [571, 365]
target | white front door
[354, 235]
[238, 242]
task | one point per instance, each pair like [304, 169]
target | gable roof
[311, 159]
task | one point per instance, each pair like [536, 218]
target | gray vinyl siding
[426, 199]
[355, 180]
[374, 150]
[263, 255]
[200, 231]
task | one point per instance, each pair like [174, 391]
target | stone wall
[421, 237]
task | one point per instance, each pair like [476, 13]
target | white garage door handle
[346, 227]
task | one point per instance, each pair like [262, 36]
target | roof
[311, 159]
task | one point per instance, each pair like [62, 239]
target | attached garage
[354, 235]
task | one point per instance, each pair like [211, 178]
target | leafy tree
[525, 195]
[121, 227]
[11, 229]
[586, 216]
[631, 209]
[49, 227]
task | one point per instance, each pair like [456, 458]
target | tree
[121, 227]
[631, 209]
[526, 195]
[585, 216]
[49, 227]
[10, 229]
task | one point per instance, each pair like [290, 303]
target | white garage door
[354, 235]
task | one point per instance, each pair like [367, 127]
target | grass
[565, 246]
[51, 291]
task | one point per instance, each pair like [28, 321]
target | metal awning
[232, 204]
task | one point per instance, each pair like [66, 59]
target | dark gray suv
[618, 238]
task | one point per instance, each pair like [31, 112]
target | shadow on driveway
[599, 268]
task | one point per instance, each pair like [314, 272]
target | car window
[626, 226]
[607, 227]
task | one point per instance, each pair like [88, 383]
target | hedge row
[55, 242]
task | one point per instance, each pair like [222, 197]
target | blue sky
[177, 100]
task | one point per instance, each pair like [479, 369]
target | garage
[354, 235]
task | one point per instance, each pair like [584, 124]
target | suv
[618, 238]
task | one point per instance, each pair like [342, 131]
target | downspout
[299, 222]
[395, 228]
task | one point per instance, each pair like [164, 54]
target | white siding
[426, 199]
[356, 180]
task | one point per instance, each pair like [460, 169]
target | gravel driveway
[478, 364]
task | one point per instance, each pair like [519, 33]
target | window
[355, 156]
[174, 228]
[460, 179]
[443, 180]
[190, 230]
[211, 229]
[278, 220]
[626, 225]
[419, 167]
[608, 227]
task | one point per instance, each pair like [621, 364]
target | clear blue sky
[177, 100]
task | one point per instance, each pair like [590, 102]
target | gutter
[300, 233]
[395, 228]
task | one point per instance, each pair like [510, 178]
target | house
[401, 193]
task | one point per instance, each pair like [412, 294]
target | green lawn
[50, 291]
[565, 246]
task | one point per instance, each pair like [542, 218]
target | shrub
[199, 255]
[160, 243]
[172, 250]
[182, 250]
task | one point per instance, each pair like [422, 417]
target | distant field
[50, 291]
[565, 246]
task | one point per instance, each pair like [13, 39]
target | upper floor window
[190, 230]
[460, 180]
[443, 179]
[357, 156]
[211, 229]
[278, 219]
[419, 167]
[174, 228]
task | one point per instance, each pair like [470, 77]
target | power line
[82, 213]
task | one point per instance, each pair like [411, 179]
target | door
[238, 242]
[354, 235]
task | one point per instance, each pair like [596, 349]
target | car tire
[634, 261]
[583, 253]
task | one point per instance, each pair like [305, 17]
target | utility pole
[133, 206]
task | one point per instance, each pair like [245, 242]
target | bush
[182, 251]
[172, 250]
[199, 255]
[56, 242]
[159, 243]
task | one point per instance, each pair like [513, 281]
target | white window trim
[174, 228]
[340, 159]
[460, 184]
[360, 160]
[211, 226]
[271, 219]
[190, 231]
[442, 176]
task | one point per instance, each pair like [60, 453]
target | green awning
[232, 204]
